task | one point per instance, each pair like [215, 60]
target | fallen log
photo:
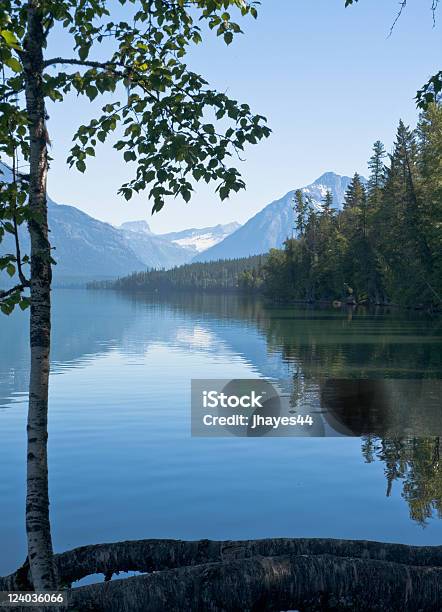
[306, 583]
[156, 555]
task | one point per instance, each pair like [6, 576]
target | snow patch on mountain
[201, 239]
[270, 227]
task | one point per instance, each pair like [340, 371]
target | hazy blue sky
[329, 80]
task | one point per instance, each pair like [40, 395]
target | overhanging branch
[79, 62]
[20, 287]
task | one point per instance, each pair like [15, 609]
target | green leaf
[10, 269]
[91, 92]
[13, 64]
[129, 156]
[228, 37]
[81, 166]
[24, 303]
[83, 52]
[10, 39]
[6, 308]
[55, 95]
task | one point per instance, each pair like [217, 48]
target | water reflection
[415, 464]
[122, 366]
[386, 407]
[369, 372]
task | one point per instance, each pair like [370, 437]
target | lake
[123, 464]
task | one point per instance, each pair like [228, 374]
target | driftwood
[255, 575]
[321, 582]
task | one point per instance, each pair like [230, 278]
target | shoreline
[332, 303]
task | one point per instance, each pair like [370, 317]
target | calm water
[123, 465]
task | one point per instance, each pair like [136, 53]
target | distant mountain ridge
[274, 224]
[88, 249]
[141, 227]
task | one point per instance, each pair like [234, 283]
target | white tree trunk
[38, 530]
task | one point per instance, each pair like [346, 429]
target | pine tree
[327, 204]
[402, 244]
[377, 178]
[374, 229]
[430, 213]
[301, 210]
[355, 196]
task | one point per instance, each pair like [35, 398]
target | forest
[219, 276]
[383, 247]
[386, 244]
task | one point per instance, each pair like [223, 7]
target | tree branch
[21, 276]
[20, 287]
[78, 62]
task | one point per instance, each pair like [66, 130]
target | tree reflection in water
[415, 463]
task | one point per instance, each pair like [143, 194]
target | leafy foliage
[162, 117]
[384, 246]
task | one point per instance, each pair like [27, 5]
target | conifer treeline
[222, 275]
[386, 243]
[384, 246]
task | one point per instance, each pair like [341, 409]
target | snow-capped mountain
[175, 247]
[86, 248]
[199, 240]
[274, 224]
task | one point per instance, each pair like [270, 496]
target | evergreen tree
[301, 211]
[327, 204]
[385, 245]
[377, 168]
[355, 196]
[402, 244]
[430, 213]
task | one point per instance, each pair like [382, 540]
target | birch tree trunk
[38, 530]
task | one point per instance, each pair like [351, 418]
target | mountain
[270, 228]
[154, 251]
[141, 227]
[174, 248]
[86, 249]
[199, 240]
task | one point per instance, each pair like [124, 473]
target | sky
[330, 81]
